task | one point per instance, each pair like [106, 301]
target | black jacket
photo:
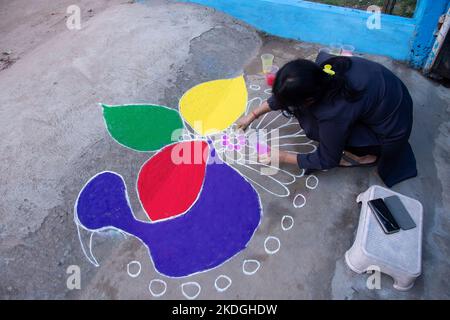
[382, 117]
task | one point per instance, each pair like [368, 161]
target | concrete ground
[54, 140]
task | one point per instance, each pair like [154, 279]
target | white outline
[315, 185]
[293, 176]
[157, 295]
[270, 122]
[301, 174]
[306, 144]
[268, 251]
[254, 87]
[300, 205]
[222, 276]
[287, 124]
[282, 223]
[250, 273]
[134, 275]
[262, 120]
[260, 185]
[249, 103]
[194, 284]
[287, 136]
[90, 258]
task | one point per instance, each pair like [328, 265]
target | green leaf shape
[142, 127]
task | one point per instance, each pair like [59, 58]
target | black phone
[384, 216]
[400, 213]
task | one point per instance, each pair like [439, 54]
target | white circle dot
[191, 284]
[289, 225]
[223, 288]
[250, 272]
[302, 202]
[272, 239]
[152, 291]
[312, 185]
[136, 273]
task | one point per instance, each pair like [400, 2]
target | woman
[360, 113]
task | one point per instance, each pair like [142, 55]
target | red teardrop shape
[170, 182]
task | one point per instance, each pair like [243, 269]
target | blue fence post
[427, 17]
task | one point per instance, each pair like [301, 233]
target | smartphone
[400, 213]
[384, 216]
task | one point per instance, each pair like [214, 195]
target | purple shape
[217, 227]
[103, 202]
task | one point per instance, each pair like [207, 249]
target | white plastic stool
[398, 255]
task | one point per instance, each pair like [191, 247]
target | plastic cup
[336, 49]
[347, 50]
[270, 77]
[267, 62]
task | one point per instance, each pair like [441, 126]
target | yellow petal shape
[212, 107]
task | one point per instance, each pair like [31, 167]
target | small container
[267, 62]
[336, 49]
[347, 50]
[270, 79]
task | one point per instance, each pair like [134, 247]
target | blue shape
[217, 227]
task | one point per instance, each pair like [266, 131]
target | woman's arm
[289, 158]
[283, 157]
[246, 120]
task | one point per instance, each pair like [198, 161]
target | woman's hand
[244, 122]
[286, 157]
[283, 157]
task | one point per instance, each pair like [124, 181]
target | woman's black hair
[302, 81]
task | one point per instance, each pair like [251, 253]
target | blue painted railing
[407, 39]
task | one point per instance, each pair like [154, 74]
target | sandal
[354, 163]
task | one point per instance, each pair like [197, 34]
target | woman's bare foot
[364, 160]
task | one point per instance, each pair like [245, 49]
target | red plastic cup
[270, 79]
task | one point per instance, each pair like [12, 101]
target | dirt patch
[7, 60]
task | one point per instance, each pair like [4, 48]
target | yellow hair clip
[328, 69]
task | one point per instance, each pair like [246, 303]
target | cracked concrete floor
[53, 141]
